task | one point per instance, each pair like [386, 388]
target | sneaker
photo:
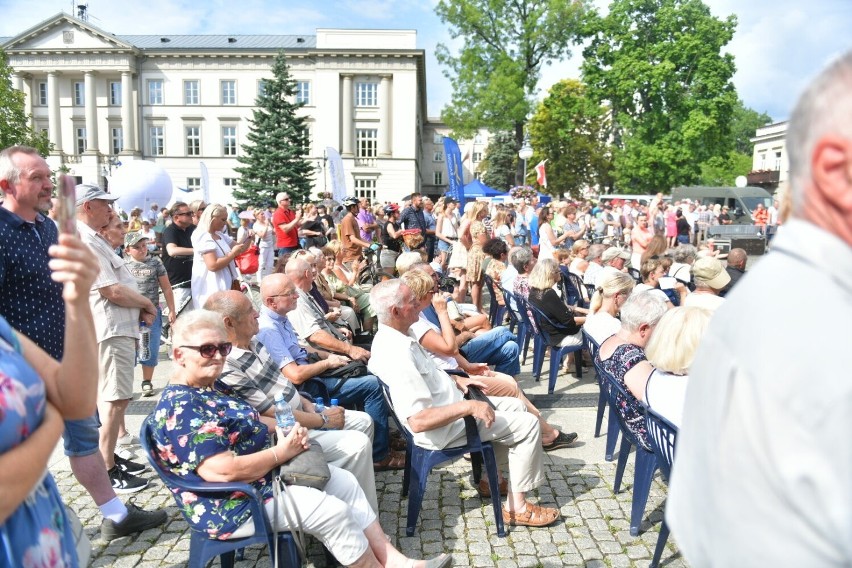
[137, 520]
[127, 440]
[125, 453]
[128, 466]
[123, 482]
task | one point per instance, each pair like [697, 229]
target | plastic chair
[577, 283]
[556, 352]
[524, 332]
[496, 312]
[202, 548]
[612, 423]
[663, 435]
[538, 342]
[420, 461]
[646, 461]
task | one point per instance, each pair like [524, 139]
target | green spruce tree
[275, 158]
[501, 157]
[14, 122]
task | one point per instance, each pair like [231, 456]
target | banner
[541, 175]
[336, 174]
[205, 185]
[455, 171]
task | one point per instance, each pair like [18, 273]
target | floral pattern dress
[624, 358]
[193, 424]
[475, 256]
[37, 535]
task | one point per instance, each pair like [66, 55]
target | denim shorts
[444, 247]
[81, 437]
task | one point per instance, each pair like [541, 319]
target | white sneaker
[125, 453]
[127, 440]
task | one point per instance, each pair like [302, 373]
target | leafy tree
[494, 76]
[274, 158]
[744, 123]
[570, 132]
[500, 161]
[660, 67]
[723, 170]
[14, 121]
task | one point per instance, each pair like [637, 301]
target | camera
[446, 284]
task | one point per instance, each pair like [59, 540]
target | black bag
[347, 371]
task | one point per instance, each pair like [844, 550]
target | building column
[53, 117]
[385, 130]
[347, 122]
[127, 126]
[91, 113]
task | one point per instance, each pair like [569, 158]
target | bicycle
[373, 273]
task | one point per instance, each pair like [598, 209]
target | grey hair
[224, 303]
[296, 268]
[8, 170]
[595, 251]
[644, 308]
[406, 260]
[385, 296]
[193, 321]
[824, 108]
[684, 253]
[520, 258]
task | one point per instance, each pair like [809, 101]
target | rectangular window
[437, 138]
[115, 93]
[229, 182]
[365, 188]
[116, 136]
[303, 92]
[261, 88]
[366, 94]
[477, 139]
[156, 141]
[79, 94]
[42, 94]
[80, 139]
[193, 184]
[193, 140]
[229, 140]
[155, 92]
[190, 93]
[439, 178]
[438, 157]
[477, 156]
[366, 145]
[229, 92]
[777, 161]
[761, 161]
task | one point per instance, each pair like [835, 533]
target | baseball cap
[614, 252]
[133, 238]
[709, 271]
[86, 192]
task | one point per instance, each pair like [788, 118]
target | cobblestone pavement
[594, 530]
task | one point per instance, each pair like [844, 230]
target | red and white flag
[541, 176]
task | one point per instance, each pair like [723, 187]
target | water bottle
[320, 404]
[144, 341]
[284, 418]
[334, 402]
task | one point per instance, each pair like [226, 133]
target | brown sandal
[532, 516]
[395, 460]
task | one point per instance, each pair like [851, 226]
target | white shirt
[420, 328]
[707, 301]
[601, 326]
[665, 393]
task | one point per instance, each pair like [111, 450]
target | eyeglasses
[182, 214]
[208, 350]
[293, 294]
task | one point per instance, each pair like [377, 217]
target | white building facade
[770, 162]
[181, 101]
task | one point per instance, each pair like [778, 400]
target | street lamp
[525, 153]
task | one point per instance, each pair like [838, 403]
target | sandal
[395, 460]
[563, 440]
[441, 561]
[147, 388]
[532, 516]
[484, 488]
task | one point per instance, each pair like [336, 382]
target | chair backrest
[570, 294]
[509, 300]
[663, 436]
[615, 394]
[524, 311]
[404, 431]
[634, 272]
[539, 317]
[590, 344]
[578, 285]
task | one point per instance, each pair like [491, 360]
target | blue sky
[778, 46]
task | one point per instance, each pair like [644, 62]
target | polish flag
[541, 176]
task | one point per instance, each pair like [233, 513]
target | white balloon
[139, 184]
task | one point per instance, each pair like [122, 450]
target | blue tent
[478, 189]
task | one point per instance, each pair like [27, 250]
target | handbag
[249, 261]
[309, 468]
[351, 369]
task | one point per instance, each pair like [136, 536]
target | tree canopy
[659, 66]
[500, 161]
[506, 42]
[14, 122]
[278, 139]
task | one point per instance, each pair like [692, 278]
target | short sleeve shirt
[349, 228]
[280, 339]
[147, 274]
[285, 239]
[254, 377]
[179, 268]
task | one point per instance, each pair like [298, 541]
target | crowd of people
[679, 331]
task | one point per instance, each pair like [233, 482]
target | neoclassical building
[184, 100]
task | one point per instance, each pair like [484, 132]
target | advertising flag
[455, 171]
[336, 174]
[541, 176]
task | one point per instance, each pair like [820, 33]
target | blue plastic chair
[530, 327]
[663, 435]
[557, 353]
[612, 423]
[524, 332]
[496, 312]
[420, 461]
[202, 548]
[646, 461]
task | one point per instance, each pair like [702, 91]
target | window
[193, 140]
[778, 160]
[439, 178]
[365, 142]
[193, 184]
[230, 182]
[365, 188]
[303, 92]
[155, 92]
[156, 140]
[229, 140]
[477, 139]
[366, 94]
[477, 156]
[762, 161]
[190, 93]
[79, 94]
[42, 94]
[229, 92]
[438, 157]
[115, 93]
[116, 140]
[437, 138]
[80, 139]
[261, 88]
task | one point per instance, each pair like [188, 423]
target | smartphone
[66, 214]
[667, 282]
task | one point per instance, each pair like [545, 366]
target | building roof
[171, 42]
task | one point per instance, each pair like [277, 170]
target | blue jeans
[360, 391]
[498, 347]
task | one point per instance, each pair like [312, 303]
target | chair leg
[601, 408]
[623, 454]
[226, 559]
[661, 544]
[522, 330]
[406, 473]
[476, 465]
[578, 363]
[494, 484]
[646, 465]
[612, 431]
[539, 352]
[415, 498]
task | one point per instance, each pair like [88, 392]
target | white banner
[336, 174]
[205, 184]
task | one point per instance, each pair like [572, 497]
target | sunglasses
[208, 350]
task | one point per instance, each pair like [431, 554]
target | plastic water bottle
[144, 341]
[320, 404]
[334, 402]
[283, 414]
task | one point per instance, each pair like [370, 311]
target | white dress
[204, 282]
[545, 249]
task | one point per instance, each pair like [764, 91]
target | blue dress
[37, 535]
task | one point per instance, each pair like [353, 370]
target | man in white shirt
[710, 278]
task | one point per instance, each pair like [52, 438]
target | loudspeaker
[754, 246]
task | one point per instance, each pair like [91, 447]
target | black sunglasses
[208, 350]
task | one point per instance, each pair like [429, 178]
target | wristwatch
[324, 419]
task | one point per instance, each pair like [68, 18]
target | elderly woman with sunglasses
[204, 434]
